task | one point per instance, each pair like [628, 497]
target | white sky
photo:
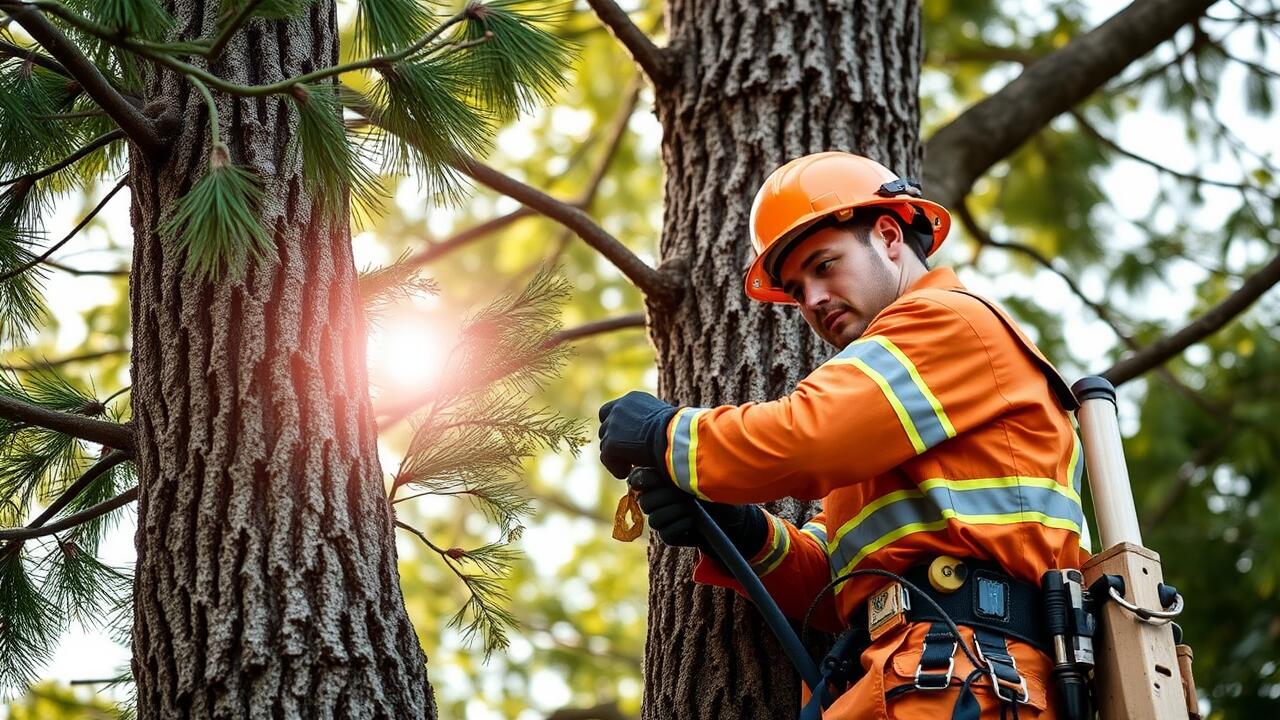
[1150, 133]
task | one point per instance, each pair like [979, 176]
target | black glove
[671, 515]
[633, 433]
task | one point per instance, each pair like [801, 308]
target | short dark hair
[860, 226]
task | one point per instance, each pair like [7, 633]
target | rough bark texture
[266, 575]
[759, 83]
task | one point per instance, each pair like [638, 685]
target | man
[938, 438]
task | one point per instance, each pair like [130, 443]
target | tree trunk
[266, 576]
[760, 83]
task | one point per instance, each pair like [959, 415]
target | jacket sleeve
[919, 376]
[793, 566]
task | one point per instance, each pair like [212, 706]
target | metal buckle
[901, 186]
[946, 679]
[998, 685]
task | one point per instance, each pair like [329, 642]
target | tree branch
[71, 521]
[1224, 312]
[59, 362]
[135, 125]
[79, 226]
[109, 434]
[1092, 131]
[31, 55]
[630, 320]
[981, 136]
[97, 143]
[658, 63]
[95, 471]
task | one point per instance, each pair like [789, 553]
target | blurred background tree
[1117, 224]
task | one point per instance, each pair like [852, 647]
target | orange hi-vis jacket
[934, 433]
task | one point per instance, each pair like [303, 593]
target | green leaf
[386, 26]
[429, 122]
[216, 223]
[487, 607]
[29, 624]
[332, 164]
[523, 63]
[1257, 94]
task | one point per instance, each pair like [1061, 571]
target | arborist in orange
[938, 438]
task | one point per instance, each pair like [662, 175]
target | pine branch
[660, 64]
[109, 434]
[1202, 327]
[110, 460]
[961, 151]
[78, 271]
[33, 56]
[617, 130]
[630, 320]
[96, 144]
[72, 520]
[74, 231]
[140, 129]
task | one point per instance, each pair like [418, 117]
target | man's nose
[815, 297]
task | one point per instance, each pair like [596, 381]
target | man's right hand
[671, 514]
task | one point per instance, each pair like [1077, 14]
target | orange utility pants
[891, 661]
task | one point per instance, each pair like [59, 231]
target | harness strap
[937, 658]
[838, 668]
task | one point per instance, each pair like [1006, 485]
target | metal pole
[1108, 475]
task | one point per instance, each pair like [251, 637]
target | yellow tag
[627, 506]
[885, 610]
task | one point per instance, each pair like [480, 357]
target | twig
[630, 320]
[1093, 132]
[71, 521]
[31, 55]
[78, 271]
[658, 63]
[987, 132]
[95, 471]
[1210, 322]
[136, 126]
[97, 143]
[79, 226]
[59, 362]
[112, 435]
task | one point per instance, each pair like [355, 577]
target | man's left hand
[633, 433]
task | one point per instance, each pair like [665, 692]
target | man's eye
[823, 266]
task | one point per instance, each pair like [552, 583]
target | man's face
[842, 282]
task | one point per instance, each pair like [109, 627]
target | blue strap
[937, 658]
[838, 668]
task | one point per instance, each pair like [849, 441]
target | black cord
[951, 625]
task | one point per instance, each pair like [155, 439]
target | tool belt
[987, 600]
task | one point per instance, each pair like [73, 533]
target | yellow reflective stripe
[693, 457]
[941, 414]
[682, 450]
[874, 505]
[904, 417]
[1003, 482]
[779, 547]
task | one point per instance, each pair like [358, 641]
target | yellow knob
[947, 574]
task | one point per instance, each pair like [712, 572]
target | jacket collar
[943, 278]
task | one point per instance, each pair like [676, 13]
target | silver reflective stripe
[683, 453]
[996, 501]
[778, 548]
[817, 531]
[921, 415]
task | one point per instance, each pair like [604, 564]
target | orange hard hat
[811, 188]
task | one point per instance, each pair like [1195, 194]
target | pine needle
[216, 223]
[22, 305]
[429, 121]
[141, 18]
[332, 164]
[383, 287]
[522, 64]
[270, 9]
[386, 26]
[80, 585]
[29, 624]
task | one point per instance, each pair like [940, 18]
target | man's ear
[890, 234]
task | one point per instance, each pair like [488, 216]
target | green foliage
[49, 701]
[332, 165]
[141, 18]
[477, 429]
[22, 304]
[518, 60]
[29, 94]
[270, 9]
[428, 122]
[217, 222]
[29, 624]
[386, 26]
[80, 585]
